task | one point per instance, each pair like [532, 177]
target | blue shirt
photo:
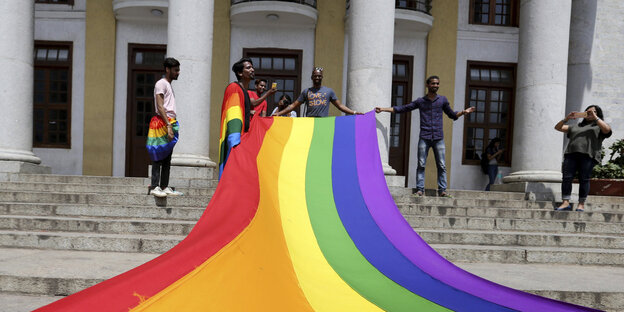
[431, 127]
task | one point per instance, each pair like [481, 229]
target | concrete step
[48, 273]
[531, 254]
[143, 243]
[95, 225]
[111, 211]
[518, 238]
[17, 302]
[105, 199]
[512, 213]
[510, 224]
[59, 272]
[209, 173]
[192, 181]
[91, 188]
[598, 287]
[516, 204]
[75, 179]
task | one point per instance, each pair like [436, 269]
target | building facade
[80, 96]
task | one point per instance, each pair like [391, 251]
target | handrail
[311, 3]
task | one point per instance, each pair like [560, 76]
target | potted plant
[608, 178]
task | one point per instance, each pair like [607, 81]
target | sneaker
[171, 192]
[445, 194]
[158, 192]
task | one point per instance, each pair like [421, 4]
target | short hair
[238, 66]
[431, 78]
[170, 62]
[287, 97]
[259, 80]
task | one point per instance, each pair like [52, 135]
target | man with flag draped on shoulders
[235, 110]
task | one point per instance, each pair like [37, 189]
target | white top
[164, 87]
[292, 113]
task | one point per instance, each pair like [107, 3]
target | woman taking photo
[582, 153]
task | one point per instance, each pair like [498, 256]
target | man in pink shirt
[160, 142]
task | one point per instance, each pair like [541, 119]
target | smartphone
[274, 85]
[580, 115]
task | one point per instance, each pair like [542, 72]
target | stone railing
[311, 3]
[423, 6]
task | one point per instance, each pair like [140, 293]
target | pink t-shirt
[164, 87]
[262, 107]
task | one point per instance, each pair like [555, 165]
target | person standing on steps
[258, 107]
[163, 131]
[583, 152]
[236, 109]
[492, 154]
[431, 107]
[317, 99]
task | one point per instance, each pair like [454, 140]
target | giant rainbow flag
[302, 220]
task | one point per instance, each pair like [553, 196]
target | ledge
[140, 10]
[273, 13]
[410, 21]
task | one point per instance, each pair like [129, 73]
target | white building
[523, 64]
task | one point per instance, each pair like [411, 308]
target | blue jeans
[571, 164]
[439, 150]
[492, 172]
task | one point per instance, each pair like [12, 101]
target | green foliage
[614, 168]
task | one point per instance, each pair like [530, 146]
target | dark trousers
[160, 172]
[571, 164]
[492, 172]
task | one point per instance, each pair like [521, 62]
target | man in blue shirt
[317, 99]
[431, 107]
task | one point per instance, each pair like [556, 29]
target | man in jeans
[431, 107]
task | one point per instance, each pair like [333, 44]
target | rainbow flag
[232, 122]
[304, 223]
[158, 144]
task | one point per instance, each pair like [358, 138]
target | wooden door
[400, 123]
[145, 67]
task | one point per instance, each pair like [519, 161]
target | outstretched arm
[384, 109]
[343, 108]
[263, 98]
[288, 109]
[466, 111]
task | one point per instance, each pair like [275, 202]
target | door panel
[144, 69]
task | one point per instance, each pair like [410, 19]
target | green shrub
[614, 168]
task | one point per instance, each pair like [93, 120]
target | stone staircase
[61, 234]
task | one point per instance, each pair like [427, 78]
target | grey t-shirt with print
[317, 101]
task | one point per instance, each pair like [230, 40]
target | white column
[541, 91]
[189, 33]
[370, 27]
[580, 76]
[16, 84]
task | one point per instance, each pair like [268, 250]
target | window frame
[46, 107]
[506, 160]
[69, 2]
[270, 75]
[514, 14]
